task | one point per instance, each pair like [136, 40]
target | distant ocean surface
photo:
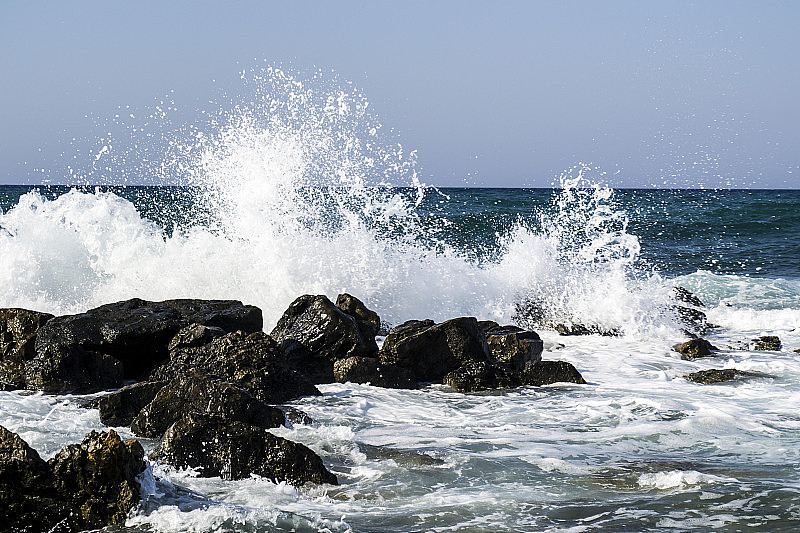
[639, 448]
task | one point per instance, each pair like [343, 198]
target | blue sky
[488, 93]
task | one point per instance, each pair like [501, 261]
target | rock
[692, 318]
[797, 350]
[120, 407]
[767, 343]
[85, 486]
[401, 457]
[683, 295]
[254, 362]
[476, 376]
[371, 370]
[194, 335]
[18, 329]
[98, 478]
[136, 332]
[369, 323]
[29, 501]
[200, 393]
[515, 348]
[694, 348]
[326, 332]
[64, 368]
[300, 358]
[548, 372]
[430, 351]
[707, 377]
[580, 329]
[234, 450]
[296, 416]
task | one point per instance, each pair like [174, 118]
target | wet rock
[694, 348]
[18, 329]
[98, 478]
[579, 329]
[430, 351]
[707, 377]
[300, 358]
[326, 332]
[694, 319]
[684, 295]
[797, 350]
[194, 335]
[254, 362]
[371, 370]
[476, 376]
[549, 372]
[120, 407]
[234, 450]
[136, 332]
[200, 393]
[369, 323]
[296, 416]
[64, 368]
[401, 457]
[514, 347]
[767, 343]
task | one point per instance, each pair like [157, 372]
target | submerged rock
[200, 393]
[694, 348]
[234, 450]
[684, 295]
[371, 370]
[430, 351]
[475, 376]
[120, 407]
[707, 377]
[767, 343]
[549, 372]
[18, 329]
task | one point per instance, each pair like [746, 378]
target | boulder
[513, 346]
[707, 377]
[430, 351]
[254, 362]
[579, 329]
[371, 370]
[369, 323]
[767, 343]
[18, 329]
[136, 332]
[694, 348]
[64, 368]
[300, 358]
[326, 332]
[200, 393]
[120, 407]
[234, 450]
[548, 372]
[194, 335]
[476, 376]
[684, 295]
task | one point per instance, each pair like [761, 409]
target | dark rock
[515, 348]
[233, 450]
[580, 329]
[200, 393]
[797, 350]
[296, 416]
[529, 312]
[18, 329]
[694, 348]
[548, 372]
[327, 332]
[692, 318]
[476, 376]
[430, 351]
[369, 323]
[316, 369]
[401, 457]
[767, 343]
[194, 335]
[98, 478]
[371, 370]
[254, 362]
[29, 501]
[120, 407]
[64, 368]
[683, 295]
[137, 332]
[707, 377]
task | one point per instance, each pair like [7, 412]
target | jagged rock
[18, 329]
[548, 372]
[254, 362]
[98, 478]
[797, 350]
[514, 346]
[369, 323]
[204, 394]
[683, 295]
[296, 416]
[707, 377]
[64, 368]
[120, 407]
[136, 332]
[194, 335]
[579, 329]
[401, 457]
[430, 351]
[694, 348]
[476, 376]
[326, 332]
[371, 370]
[234, 450]
[300, 358]
[767, 343]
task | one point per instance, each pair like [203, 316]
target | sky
[512, 94]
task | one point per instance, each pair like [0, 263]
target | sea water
[300, 193]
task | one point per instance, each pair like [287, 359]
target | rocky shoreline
[203, 378]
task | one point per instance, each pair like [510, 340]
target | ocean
[300, 196]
